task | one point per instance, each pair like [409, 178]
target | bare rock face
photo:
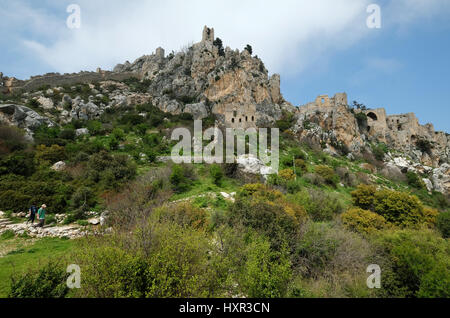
[441, 179]
[232, 85]
[23, 117]
[333, 125]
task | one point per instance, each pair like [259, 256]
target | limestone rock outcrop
[22, 117]
[232, 85]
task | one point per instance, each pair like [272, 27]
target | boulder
[198, 111]
[46, 103]
[428, 184]
[59, 166]
[252, 165]
[23, 117]
[94, 221]
[81, 132]
[441, 179]
[104, 218]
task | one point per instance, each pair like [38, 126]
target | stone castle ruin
[236, 87]
[208, 34]
[11, 85]
[325, 101]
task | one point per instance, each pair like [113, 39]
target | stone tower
[160, 53]
[208, 34]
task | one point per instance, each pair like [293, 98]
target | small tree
[249, 49]
[219, 44]
[216, 174]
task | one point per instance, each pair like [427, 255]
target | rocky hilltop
[234, 88]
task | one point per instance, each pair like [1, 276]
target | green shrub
[68, 134]
[118, 134]
[216, 174]
[361, 119]
[415, 181]
[266, 272]
[399, 208]
[7, 235]
[18, 194]
[418, 264]
[14, 201]
[363, 221]
[95, 127]
[84, 198]
[47, 282]
[364, 196]
[315, 249]
[268, 212]
[141, 129]
[320, 205]
[330, 177]
[379, 151]
[286, 175]
[300, 166]
[51, 154]
[11, 139]
[180, 183]
[443, 224]
[158, 260]
[83, 222]
[110, 170]
[20, 163]
[48, 136]
[113, 143]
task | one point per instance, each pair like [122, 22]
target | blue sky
[319, 47]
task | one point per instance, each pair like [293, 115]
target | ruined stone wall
[13, 85]
[238, 115]
[340, 99]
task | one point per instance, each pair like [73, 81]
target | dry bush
[363, 178]
[393, 173]
[348, 178]
[11, 139]
[314, 179]
[76, 171]
[370, 158]
[332, 261]
[136, 202]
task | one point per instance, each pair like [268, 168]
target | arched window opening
[372, 115]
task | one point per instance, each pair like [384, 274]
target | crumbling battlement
[325, 101]
[13, 85]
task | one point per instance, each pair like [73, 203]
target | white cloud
[288, 35]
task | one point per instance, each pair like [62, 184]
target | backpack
[33, 209]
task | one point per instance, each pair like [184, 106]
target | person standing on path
[33, 211]
[41, 215]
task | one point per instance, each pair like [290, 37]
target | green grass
[204, 184]
[26, 253]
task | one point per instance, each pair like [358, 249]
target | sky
[318, 47]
